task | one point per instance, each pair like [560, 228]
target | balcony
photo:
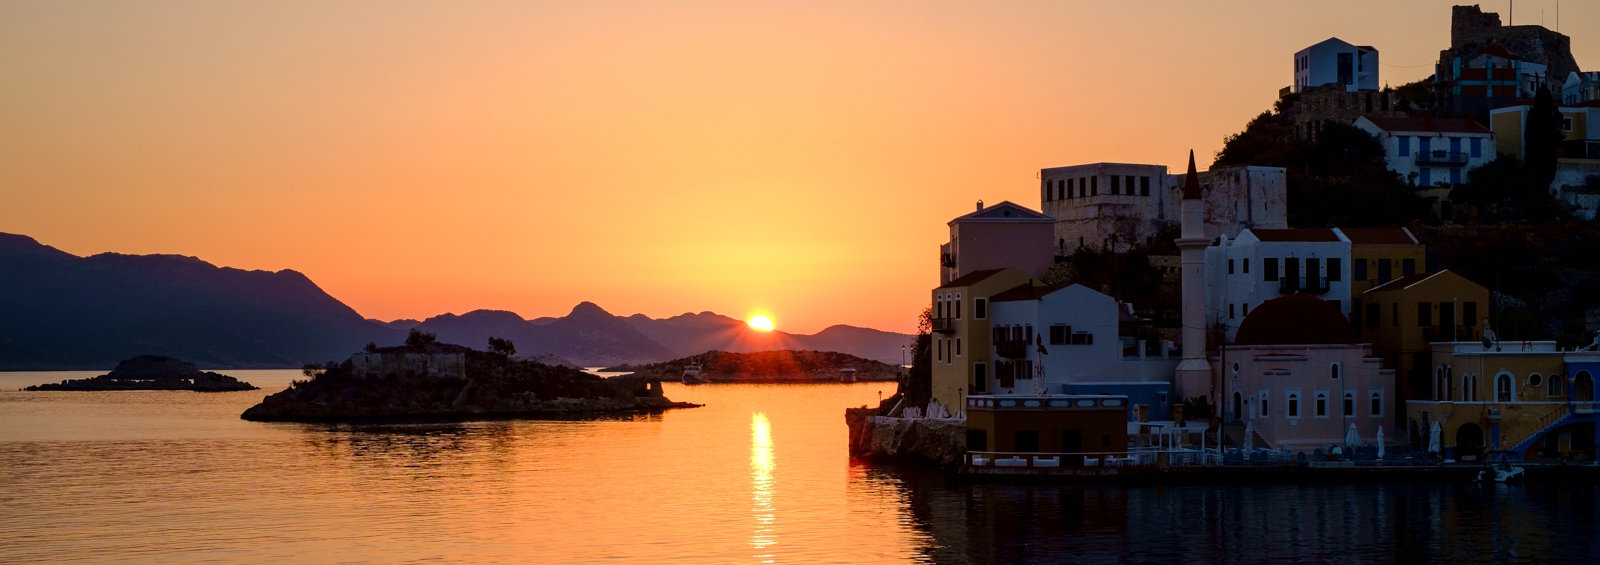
[1439, 157]
[944, 325]
[1013, 349]
[1307, 285]
[947, 260]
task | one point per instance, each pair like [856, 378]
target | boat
[1501, 471]
[692, 375]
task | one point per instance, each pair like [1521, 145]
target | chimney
[980, 205]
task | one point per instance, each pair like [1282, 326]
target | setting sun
[761, 323]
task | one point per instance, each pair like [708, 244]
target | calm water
[760, 475]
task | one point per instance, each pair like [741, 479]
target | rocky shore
[425, 380]
[152, 372]
[767, 367]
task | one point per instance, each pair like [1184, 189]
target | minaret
[1193, 376]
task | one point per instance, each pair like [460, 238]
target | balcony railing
[944, 325]
[1014, 349]
[1305, 285]
[947, 260]
[1441, 157]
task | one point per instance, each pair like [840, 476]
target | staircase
[1559, 417]
[1233, 435]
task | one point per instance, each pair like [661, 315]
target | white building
[1120, 205]
[1580, 88]
[1264, 264]
[1336, 62]
[1428, 151]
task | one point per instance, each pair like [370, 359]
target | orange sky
[416, 158]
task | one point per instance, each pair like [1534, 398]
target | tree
[502, 346]
[1541, 138]
[372, 347]
[418, 339]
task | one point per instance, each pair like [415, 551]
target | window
[1469, 388]
[1427, 177]
[1535, 380]
[958, 306]
[1230, 311]
[958, 347]
[1244, 309]
[1321, 405]
[1028, 333]
[1116, 182]
[1557, 386]
[1502, 388]
[1264, 404]
[1376, 409]
[1359, 270]
[1469, 314]
[938, 350]
[1059, 334]
[1144, 186]
[1246, 265]
[980, 378]
[1385, 271]
[1333, 371]
[1403, 142]
[1372, 316]
[1566, 124]
[1349, 405]
[1094, 186]
[1071, 188]
[1477, 147]
[1269, 269]
[1408, 267]
[1335, 269]
[1424, 314]
[1294, 404]
[1230, 266]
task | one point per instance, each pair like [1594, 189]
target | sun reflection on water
[761, 465]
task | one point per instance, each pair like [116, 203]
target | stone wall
[936, 443]
[437, 365]
[1236, 198]
[1472, 29]
[1331, 102]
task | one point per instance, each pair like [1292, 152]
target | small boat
[1502, 471]
[847, 375]
[693, 376]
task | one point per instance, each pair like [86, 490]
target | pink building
[1300, 377]
[1001, 236]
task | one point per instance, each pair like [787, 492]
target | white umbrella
[1380, 442]
[1249, 437]
[1433, 437]
[1351, 438]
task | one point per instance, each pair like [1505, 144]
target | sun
[760, 323]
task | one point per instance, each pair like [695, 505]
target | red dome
[1295, 319]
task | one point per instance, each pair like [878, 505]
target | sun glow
[761, 323]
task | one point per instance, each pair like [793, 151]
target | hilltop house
[1004, 235]
[1489, 64]
[1118, 206]
[1580, 88]
[1427, 150]
[1577, 181]
[1335, 61]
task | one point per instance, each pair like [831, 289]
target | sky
[799, 159]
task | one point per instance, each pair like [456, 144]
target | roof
[1291, 234]
[1005, 211]
[1191, 183]
[971, 278]
[1295, 319]
[1428, 124]
[1585, 104]
[1379, 236]
[1027, 291]
[1498, 51]
[1403, 283]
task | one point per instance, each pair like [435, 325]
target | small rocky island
[153, 372]
[428, 380]
[767, 367]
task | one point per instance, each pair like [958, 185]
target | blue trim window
[1405, 145]
[1425, 145]
[1455, 175]
[1455, 145]
[1477, 147]
[1427, 177]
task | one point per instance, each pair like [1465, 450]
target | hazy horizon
[652, 157]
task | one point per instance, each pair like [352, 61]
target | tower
[1193, 375]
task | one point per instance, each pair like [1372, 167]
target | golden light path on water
[761, 482]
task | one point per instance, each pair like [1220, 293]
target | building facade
[1405, 315]
[1335, 61]
[1430, 151]
[1580, 88]
[1118, 206]
[1047, 337]
[1491, 398]
[1001, 236]
[961, 351]
[1263, 264]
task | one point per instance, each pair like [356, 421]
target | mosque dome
[1295, 319]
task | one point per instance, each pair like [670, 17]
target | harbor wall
[923, 442]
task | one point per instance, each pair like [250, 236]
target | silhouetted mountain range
[61, 311]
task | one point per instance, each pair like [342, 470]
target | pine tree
[1541, 140]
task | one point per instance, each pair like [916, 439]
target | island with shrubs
[783, 366]
[429, 380]
[152, 372]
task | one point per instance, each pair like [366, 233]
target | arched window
[1440, 391]
[1377, 403]
[1349, 404]
[1266, 405]
[1583, 387]
[1502, 388]
[1557, 386]
[1322, 405]
[1469, 388]
[1294, 405]
[1333, 371]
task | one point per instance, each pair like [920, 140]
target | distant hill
[768, 367]
[61, 311]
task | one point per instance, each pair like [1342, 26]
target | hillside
[768, 366]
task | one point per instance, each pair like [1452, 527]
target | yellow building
[1580, 130]
[961, 333]
[1504, 397]
[1403, 316]
[1380, 255]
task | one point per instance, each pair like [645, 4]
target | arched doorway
[1469, 441]
[1238, 406]
[1583, 387]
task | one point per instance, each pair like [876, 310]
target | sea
[760, 474]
